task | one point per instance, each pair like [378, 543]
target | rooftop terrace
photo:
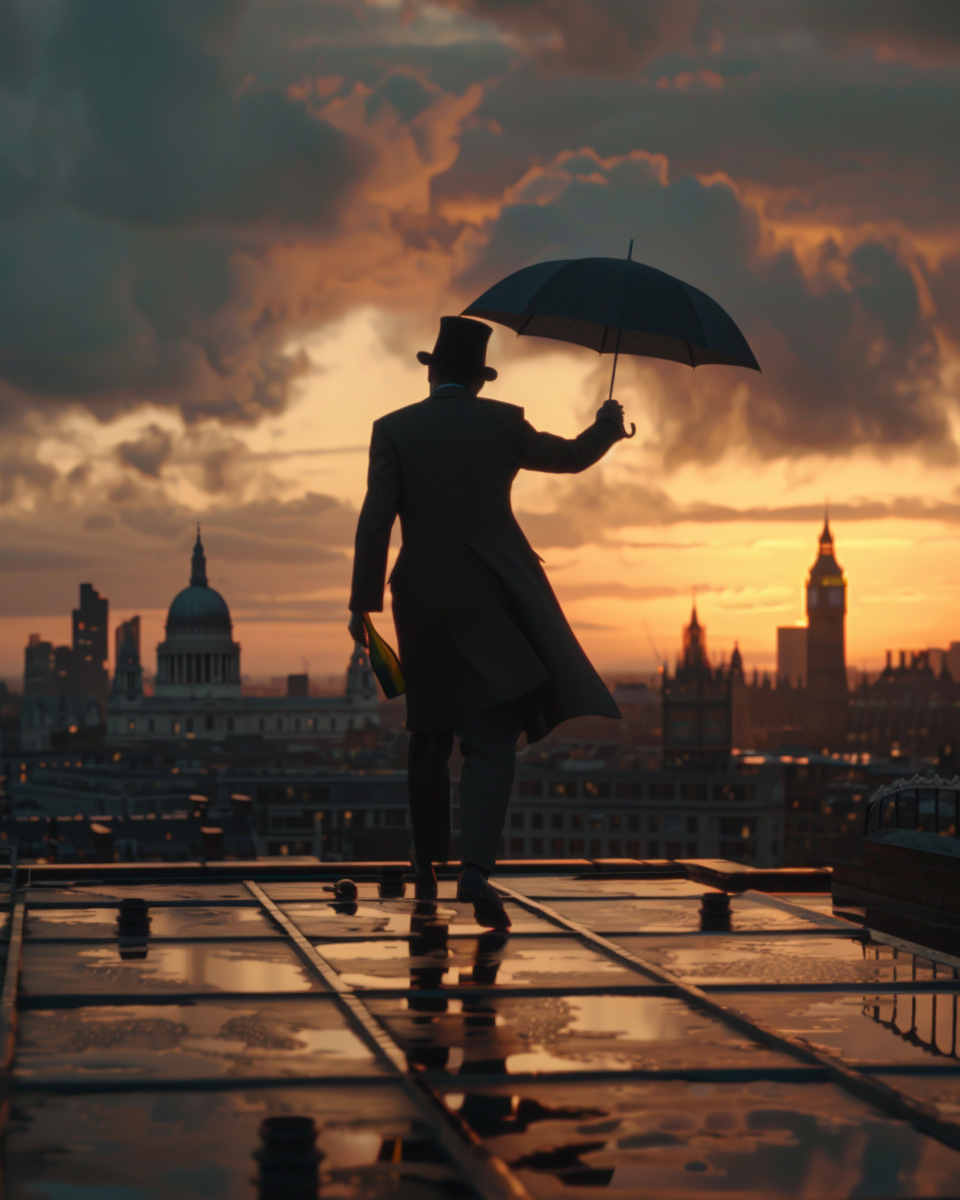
[253, 1035]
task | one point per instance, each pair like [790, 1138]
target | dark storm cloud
[602, 37]
[140, 178]
[136, 547]
[148, 453]
[589, 36]
[847, 358]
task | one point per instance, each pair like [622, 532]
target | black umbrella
[614, 306]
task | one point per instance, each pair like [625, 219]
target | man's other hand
[358, 629]
[612, 411]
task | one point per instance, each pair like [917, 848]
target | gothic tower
[826, 657]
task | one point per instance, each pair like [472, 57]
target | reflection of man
[485, 648]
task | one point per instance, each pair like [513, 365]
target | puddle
[683, 1140]
[164, 922]
[209, 1039]
[195, 967]
[432, 961]
[178, 1145]
[623, 915]
[885, 1028]
[784, 960]
[504, 1035]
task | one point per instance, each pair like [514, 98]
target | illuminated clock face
[834, 597]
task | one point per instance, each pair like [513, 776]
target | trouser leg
[428, 788]
[489, 747]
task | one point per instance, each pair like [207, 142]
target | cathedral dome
[198, 608]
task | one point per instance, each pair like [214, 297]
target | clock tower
[826, 656]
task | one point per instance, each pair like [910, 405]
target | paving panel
[629, 915]
[690, 1140]
[392, 917]
[176, 1145]
[262, 966]
[209, 921]
[284, 893]
[749, 959]
[543, 887]
[104, 894]
[208, 1039]
[493, 959]
[513, 1035]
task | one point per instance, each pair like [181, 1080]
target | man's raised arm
[380, 507]
[568, 456]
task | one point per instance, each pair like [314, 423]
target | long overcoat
[476, 618]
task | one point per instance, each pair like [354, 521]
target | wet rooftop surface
[621, 1039]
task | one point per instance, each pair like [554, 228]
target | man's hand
[612, 411]
[358, 629]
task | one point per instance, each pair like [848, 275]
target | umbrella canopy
[616, 306]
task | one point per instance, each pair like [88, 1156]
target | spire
[198, 573]
[694, 623]
[826, 537]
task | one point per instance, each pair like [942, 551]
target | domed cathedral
[198, 657]
[827, 699]
[197, 685]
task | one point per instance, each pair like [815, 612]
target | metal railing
[925, 804]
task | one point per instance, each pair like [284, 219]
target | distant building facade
[792, 655]
[910, 709]
[65, 687]
[591, 808]
[197, 686]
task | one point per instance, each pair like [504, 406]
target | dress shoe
[488, 908]
[425, 883]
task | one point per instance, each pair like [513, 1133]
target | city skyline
[673, 653]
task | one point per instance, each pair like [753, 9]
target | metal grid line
[465, 1149]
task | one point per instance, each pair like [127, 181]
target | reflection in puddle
[505, 1035]
[228, 966]
[866, 1029]
[483, 961]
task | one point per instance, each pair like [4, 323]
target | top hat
[461, 343]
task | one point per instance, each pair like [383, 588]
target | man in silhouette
[485, 649]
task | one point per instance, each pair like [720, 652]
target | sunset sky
[226, 228]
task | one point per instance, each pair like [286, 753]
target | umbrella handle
[633, 431]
